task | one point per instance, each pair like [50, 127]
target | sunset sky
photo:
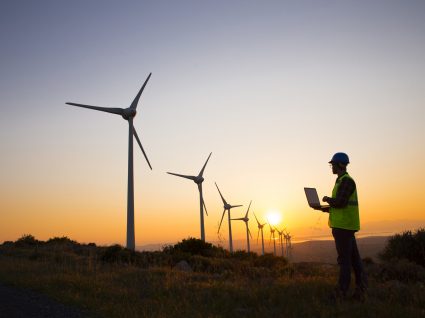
[271, 88]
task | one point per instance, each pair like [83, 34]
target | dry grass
[241, 288]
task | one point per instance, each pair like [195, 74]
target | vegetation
[408, 246]
[116, 282]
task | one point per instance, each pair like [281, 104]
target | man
[344, 220]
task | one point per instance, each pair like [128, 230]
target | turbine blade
[205, 207]
[224, 211]
[258, 235]
[141, 147]
[136, 99]
[202, 197]
[222, 198]
[203, 168]
[242, 219]
[249, 232]
[182, 175]
[118, 111]
[257, 220]
[246, 215]
[236, 206]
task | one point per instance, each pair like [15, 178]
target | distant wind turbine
[128, 114]
[288, 244]
[248, 232]
[272, 230]
[260, 229]
[281, 234]
[227, 208]
[198, 180]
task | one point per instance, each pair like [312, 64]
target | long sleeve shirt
[345, 190]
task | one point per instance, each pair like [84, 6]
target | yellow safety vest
[348, 216]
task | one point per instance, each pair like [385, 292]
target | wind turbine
[198, 180]
[280, 233]
[128, 114]
[227, 207]
[272, 230]
[288, 244]
[248, 232]
[260, 229]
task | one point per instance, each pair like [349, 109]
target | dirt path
[20, 303]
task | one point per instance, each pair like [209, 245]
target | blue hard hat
[340, 157]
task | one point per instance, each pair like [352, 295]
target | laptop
[313, 198]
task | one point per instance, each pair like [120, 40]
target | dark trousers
[348, 256]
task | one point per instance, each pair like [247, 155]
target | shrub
[61, 240]
[27, 240]
[8, 243]
[243, 255]
[117, 254]
[270, 261]
[408, 245]
[401, 270]
[193, 246]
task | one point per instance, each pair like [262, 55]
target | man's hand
[325, 199]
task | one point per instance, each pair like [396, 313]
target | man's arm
[346, 188]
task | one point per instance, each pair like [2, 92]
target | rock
[183, 266]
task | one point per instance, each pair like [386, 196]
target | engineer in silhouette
[345, 222]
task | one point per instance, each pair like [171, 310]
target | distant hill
[309, 251]
[325, 252]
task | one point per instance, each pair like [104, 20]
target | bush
[408, 245]
[243, 255]
[270, 261]
[61, 240]
[27, 240]
[193, 246]
[117, 254]
[401, 270]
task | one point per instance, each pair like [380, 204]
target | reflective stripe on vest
[348, 216]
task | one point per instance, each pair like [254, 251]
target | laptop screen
[312, 197]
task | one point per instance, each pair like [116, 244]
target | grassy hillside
[193, 280]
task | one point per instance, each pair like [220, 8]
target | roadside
[21, 303]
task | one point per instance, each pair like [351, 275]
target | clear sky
[271, 88]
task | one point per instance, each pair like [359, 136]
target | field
[114, 282]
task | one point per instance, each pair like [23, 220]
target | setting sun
[274, 217]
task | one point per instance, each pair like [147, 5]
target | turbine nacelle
[129, 113]
[198, 180]
[227, 206]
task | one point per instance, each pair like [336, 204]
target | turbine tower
[248, 232]
[198, 180]
[227, 208]
[272, 230]
[128, 114]
[260, 229]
